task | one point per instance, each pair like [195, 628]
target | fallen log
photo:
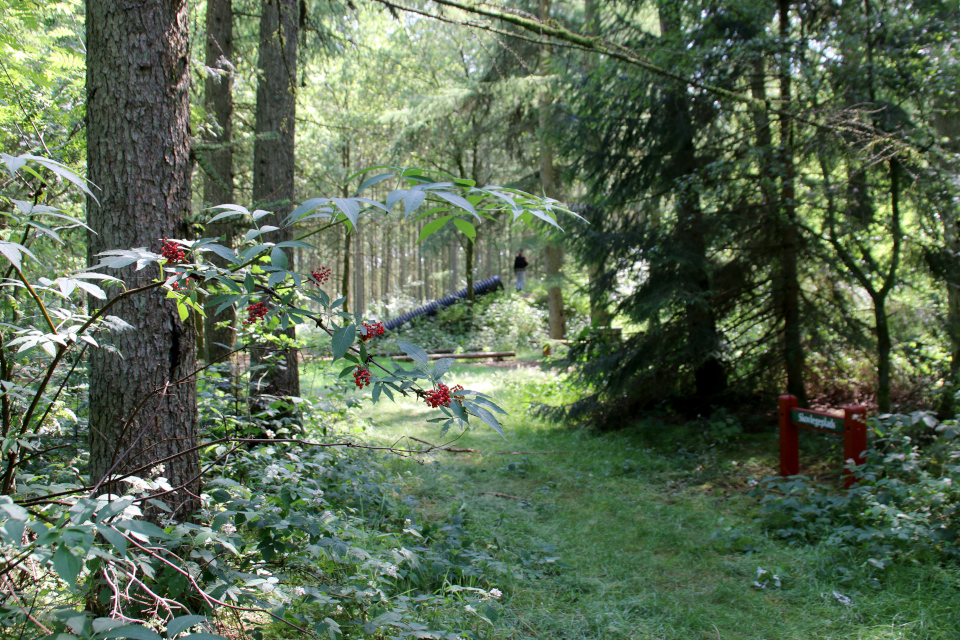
[501, 453]
[497, 356]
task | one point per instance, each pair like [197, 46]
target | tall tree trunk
[387, 259]
[359, 274]
[220, 330]
[599, 301]
[553, 253]
[881, 321]
[946, 120]
[138, 154]
[468, 251]
[454, 267]
[273, 158]
[789, 234]
[420, 276]
[710, 375]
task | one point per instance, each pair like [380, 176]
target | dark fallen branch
[434, 447]
[504, 495]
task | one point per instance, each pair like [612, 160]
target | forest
[460, 320]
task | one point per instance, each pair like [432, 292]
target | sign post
[852, 426]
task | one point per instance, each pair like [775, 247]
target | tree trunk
[420, 278]
[454, 267]
[946, 120]
[468, 270]
[273, 159]
[345, 285]
[220, 330]
[553, 253]
[710, 375]
[138, 154]
[789, 234]
[358, 283]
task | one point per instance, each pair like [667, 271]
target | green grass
[653, 540]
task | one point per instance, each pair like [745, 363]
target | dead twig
[504, 495]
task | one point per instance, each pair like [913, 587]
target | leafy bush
[904, 505]
[501, 321]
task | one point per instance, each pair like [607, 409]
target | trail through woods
[618, 536]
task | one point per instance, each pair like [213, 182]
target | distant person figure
[520, 268]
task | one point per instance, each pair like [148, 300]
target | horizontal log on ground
[493, 355]
[429, 351]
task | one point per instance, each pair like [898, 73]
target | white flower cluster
[300, 591]
[496, 593]
[273, 472]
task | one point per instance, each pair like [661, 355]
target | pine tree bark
[273, 160]
[553, 253]
[138, 154]
[703, 338]
[789, 232]
[220, 330]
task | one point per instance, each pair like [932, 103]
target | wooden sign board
[817, 420]
[851, 426]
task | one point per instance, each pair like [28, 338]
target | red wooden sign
[852, 425]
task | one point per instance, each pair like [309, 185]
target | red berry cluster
[183, 285]
[440, 397]
[172, 251]
[361, 377]
[255, 312]
[320, 275]
[375, 329]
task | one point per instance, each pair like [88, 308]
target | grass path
[616, 539]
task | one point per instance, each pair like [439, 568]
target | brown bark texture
[789, 233]
[220, 330]
[553, 253]
[273, 161]
[138, 156]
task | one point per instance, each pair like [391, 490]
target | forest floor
[635, 534]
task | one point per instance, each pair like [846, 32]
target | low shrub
[903, 507]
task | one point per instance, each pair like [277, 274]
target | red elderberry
[255, 312]
[172, 251]
[371, 330]
[183, 285]
[320, 275]
[438, 397]
[361, 377]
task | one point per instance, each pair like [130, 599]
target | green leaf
[489, 419]
[67, 565]
[278, 258]
[432, 227]
[115, 538]
[369, 182]
[441, 367]
[343, 338]
[181, 624]
[468, 229]
[224, 252]
[412, 201]
[456, 200]
[414, 352]
[349, 208]
[134, 631]
[144, 528]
